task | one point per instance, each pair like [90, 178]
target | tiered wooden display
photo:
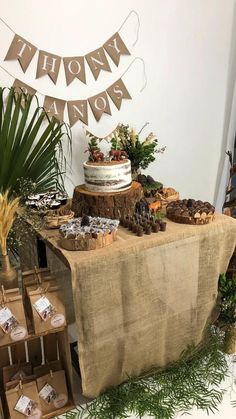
[55, 342]
[108, 205]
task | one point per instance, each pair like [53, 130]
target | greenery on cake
[92, 146]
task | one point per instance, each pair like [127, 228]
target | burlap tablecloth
[141, 301]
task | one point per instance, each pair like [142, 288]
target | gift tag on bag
[25, 405]
[48, 310]
[12, 317]
[54, 386]
[7, 320]
[48, 393]
[44, 308]
[23, 401]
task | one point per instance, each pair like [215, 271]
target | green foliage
[149, 187]
[115, 144]
[92, 146]
[30, 144]
[158, 215]
[141, 154]
[191, 382]
[227, 289]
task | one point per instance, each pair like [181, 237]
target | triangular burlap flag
[21, 50]
[115, 47]
[97, 61]
[117, 92]
[99, 105]
[48, 64]
[77, 111]
[22, 87]
[74, 68]
[54, 107]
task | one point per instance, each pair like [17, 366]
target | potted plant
[31, 153]
[141, 153]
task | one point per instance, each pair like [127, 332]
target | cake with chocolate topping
[88, 233]
[190, 211]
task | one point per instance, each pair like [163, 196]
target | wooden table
[141, 301]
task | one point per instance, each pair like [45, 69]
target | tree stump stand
[108, 205]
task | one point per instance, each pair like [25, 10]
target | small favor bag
[46, 368]
[1, 409]
[12, 317]
[47, 308]
[16, 372]
[23, 401]
[52, 391]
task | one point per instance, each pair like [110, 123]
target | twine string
[5, 23]
[144, 71]
[127, 17]
[138, 25]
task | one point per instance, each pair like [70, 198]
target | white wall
[186, 45]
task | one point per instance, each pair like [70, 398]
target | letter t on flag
[21, 50]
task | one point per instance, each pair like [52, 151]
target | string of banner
[49, 64]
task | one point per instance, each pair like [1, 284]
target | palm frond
[30, 143]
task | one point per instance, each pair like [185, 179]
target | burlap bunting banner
[99, 105]
[115, 47]
[54, 107]
[97, 61]
[74, 68]
[117, 92]
[78, 109]
[22, 87]
[21, 50]
[48, 64]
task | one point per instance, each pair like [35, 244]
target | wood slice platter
[105, 204]
[88, 242]
[189, 211]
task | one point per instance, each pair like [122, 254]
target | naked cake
[107, 176]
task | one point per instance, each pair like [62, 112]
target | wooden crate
[54, 343]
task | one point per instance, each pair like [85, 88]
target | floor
[226, 409]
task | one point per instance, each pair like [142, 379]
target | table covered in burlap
[141, 301]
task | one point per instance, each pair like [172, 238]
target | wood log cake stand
[109, 205]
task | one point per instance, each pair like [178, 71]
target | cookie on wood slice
[190, 211]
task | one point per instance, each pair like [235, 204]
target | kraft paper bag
[46, 368]
[1, 409]
[47, 308]
[53, 393]
[25, 398]
[15, 383]
[16, 372]
[13, 326]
